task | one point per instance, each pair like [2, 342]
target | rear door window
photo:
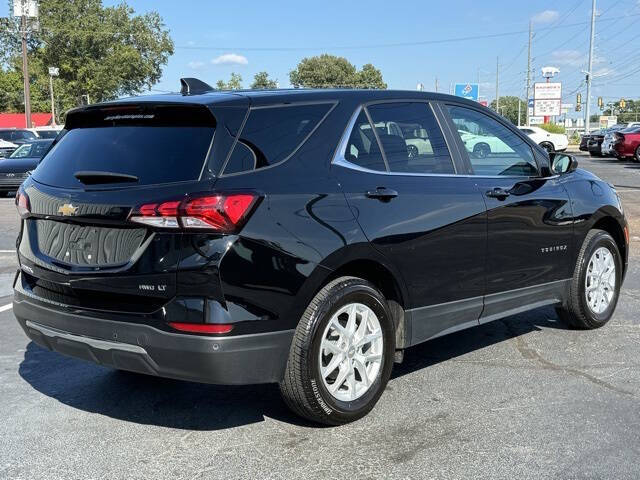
[272, 134]
[362, 148]
[411, 138]
[156, 144]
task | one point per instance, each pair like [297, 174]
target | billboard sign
[547, 91]
[547, 108]
[536, 120]
[470, 91]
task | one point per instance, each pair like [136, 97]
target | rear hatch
[79, 246]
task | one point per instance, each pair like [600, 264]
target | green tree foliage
[327, 71]
[234, 83]
[102, 52]
[262, 80]
[509, 108]
[630, 112]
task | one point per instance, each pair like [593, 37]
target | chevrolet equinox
[305, 237]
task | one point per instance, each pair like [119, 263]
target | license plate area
[87, 246]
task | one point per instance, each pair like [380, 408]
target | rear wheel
[547, 146]
[342, 353]
[482, 150]
[636, 156]
[595, 286]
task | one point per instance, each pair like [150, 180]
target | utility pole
[587, 110]
[25, 66]
[519, 111]
[529, 71]
[497, 82]
[436, 84]
[53, 72]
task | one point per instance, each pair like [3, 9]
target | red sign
[484, 103]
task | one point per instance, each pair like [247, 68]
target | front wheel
[595, 286]
[341, 355]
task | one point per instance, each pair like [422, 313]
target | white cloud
[196, 64]
[230, 59]
[546, 16]
[573, 58]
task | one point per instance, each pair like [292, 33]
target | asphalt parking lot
[521, 398]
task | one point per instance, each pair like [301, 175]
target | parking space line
[4, 308]
[7, 251]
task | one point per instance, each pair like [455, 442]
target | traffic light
[578, 99]
[622, 103]
[578, 107]
[600, 103]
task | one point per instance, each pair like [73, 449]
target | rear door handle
[498, 192]
[382, 193]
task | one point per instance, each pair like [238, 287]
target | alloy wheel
[600, 281]
[351, 352]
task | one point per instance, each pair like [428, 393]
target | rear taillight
[222, 213]
[22, 204]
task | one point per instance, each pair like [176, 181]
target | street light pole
[587, 109]
[53, 72]
[25, 66]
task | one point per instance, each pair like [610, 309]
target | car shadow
[194, 406]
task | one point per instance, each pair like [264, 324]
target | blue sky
[216, 38]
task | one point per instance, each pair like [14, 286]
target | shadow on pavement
[193, 406]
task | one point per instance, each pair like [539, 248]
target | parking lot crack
[530, 353]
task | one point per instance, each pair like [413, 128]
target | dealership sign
[547, 99]
[470, 91]
[547, 108]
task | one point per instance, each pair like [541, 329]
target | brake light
[22, 204]
[201, 327]
[223, 213]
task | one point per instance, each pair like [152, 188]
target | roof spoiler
[193, 86]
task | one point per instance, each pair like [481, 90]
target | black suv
[304, 237]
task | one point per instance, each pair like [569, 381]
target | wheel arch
[612, 226]
[365, 262]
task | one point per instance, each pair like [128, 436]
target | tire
[412, 151]
[636, 156]
[548, 146]
[304, 389]
[481, 150]
[577, 312]
[595, 154]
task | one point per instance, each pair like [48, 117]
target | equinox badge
[67, 209]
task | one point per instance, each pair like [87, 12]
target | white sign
[536, 120]
[565, 107]
[547, 91]
[547, 108]
[54, 71]
[607, 121]
[26, 8]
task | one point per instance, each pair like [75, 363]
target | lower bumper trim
[237, 360]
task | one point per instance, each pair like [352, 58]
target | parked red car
[627, 143]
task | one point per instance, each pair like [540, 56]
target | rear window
[155, 144]
[271, 134]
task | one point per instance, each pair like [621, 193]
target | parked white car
[551, 142]
[50, 131]
[6, 148]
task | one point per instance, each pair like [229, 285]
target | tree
[234, 83]
[509, 108]
[262, 80]
[102, 52]
[327, 71]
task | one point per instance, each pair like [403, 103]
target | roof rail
[193, 86]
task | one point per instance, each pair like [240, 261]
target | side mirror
[562, 163]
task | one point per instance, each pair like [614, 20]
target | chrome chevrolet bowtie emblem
[67, 209]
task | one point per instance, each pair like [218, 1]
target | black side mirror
[562, 163]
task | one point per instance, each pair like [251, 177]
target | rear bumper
[237, 360]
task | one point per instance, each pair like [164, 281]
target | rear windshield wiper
[95, 178]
